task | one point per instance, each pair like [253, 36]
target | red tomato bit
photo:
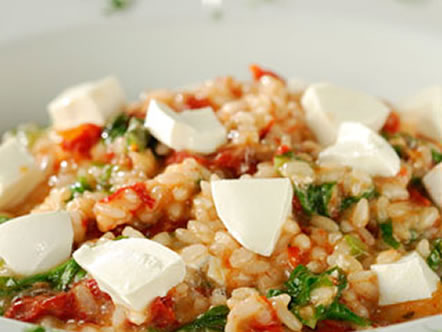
[393, 123]
[282, 149]
[417, 197]
[162, 313]
[194, 102]
[29, 309]
[81, 139]
[258, 72]
[139, 189]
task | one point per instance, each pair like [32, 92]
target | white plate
[388, 47]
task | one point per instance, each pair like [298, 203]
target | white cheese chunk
[426, 109]
[19, 173]
[408, 279]
[194, 130]
[91, 102]
[363, 149]
[327, 106]
[433, 183]
[254, 210]
[132, 271]
[36, 242]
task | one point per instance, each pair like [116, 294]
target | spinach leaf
[58, 278]
[117, 127]
[437, 156]
[300, 285]
[387, 234]
[213, 320]
[315, 198]
[348, 201]
[339, 311]
[4, 219]
[434, 260]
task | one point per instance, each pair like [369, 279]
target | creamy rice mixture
[118, 182]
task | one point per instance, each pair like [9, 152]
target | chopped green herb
[339, 311]
[300, 285]
[58, 278]
[437, 156]
[281, 159]
[117, 127]
[137, 136]
[399, 150]
[80, 186]
[4, 219]
[121, 237]
[103, 183]
[120, 4]
[315, 199]
[387, 234]
[434, 260]
[36, 329]
[348, 201]
[357, 247]
[213, 320]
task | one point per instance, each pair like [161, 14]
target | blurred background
[387, 47]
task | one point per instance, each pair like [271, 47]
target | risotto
[230, 206]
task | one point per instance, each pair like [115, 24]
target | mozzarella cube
[132, 271]
[327, 106]
[36, 242]
[254, 210]
[433, 183]
[426, 109]
[91, 102]
[408, 279]
[194, 130]
[19, 173]
[363, 149]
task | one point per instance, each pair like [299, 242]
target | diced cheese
[36, 242]
[363, 149]
[327, 106]
[194, 130]
[19, 173]
[426, 109]
[433, 183]
[408, 279]
[254, 210]
[91, 102]
[132, 271]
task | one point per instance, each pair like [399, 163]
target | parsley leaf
[434, 260]
[315, 198]
[348, 201]
[437, 156]
[387, 234]
[213, 320]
